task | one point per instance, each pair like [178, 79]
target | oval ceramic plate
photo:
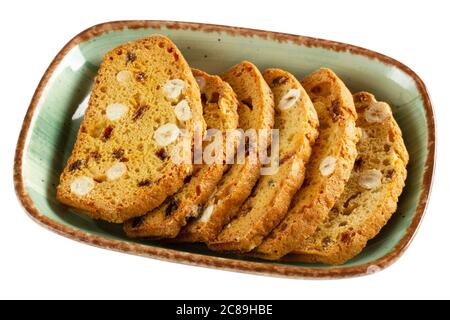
[53, 118]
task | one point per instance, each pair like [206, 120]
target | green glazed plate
[50, 128]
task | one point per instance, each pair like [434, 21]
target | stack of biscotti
[297, 122]
[256, 112]
[220, 112]
[337, 162]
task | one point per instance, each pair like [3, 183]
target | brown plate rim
[212, 261]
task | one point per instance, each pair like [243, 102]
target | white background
[36, 263]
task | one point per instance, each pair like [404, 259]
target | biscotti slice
[220, 113]
[144, 103]
[370, 196]
[330, 166]
[296, 120]
[256, 111]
